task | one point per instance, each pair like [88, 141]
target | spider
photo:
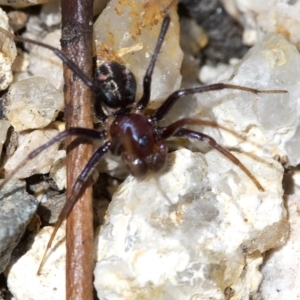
[128, 132]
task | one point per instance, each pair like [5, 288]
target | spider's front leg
[176, 129]
[77, 190]
[73, 131]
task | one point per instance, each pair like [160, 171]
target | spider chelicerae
[128, 132]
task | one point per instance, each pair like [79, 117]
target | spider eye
[143, 141]
[115, 86]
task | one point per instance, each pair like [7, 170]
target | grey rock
[16, 209]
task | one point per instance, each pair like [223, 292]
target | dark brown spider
[128, 132]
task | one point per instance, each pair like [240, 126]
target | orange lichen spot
[111, 39]
[105, 53]
[118, 11]
[151, 15]
[284, 31]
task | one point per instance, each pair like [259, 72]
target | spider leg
[161, 112]
[72, 66]
[166, 132]
[176, 130]
[76, 191]
[143, 102]
[78, 131]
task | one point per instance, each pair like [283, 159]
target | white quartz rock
[281, 269]
[4, 125]
[22, 3]
[194, 231]
[51, 13]
[33, 103]
[23, 281]
[8, 53]
[257, 17]
[137, 24]
[17, 19]
[44, 63]
[38, 165]
[269, 121]
[58, 171]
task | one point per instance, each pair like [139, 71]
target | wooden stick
[77, 44]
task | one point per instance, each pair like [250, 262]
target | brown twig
[77, 44]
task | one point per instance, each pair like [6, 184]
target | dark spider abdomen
[115, 86]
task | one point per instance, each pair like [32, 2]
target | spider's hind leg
[176, 129]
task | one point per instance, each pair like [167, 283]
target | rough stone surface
[22, 278]
[58, 171]
[4, 125]
[8, 53]
[281, 267]
[16, 209]
[28, 143]
[51, 13]
[44, 63]
[194, 230]
[22, 3]
[223, 31]
[17, 19]
[258, 18]
[33, 103]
